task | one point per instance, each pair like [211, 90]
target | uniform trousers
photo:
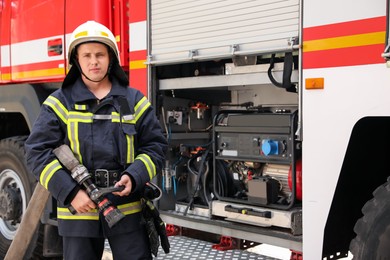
[127, 246]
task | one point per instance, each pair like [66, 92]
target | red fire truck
[276, 114]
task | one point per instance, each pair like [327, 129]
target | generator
[255, 154]
[254, 151]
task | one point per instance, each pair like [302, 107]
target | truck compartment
[233, 143]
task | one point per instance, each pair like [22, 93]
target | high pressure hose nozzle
[80, 174]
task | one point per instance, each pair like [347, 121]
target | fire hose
[30, 220]
[98, 195]
[154, 224]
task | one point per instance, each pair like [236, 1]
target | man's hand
[82, 203]
[124, 181]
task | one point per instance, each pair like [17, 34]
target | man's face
[93, 59]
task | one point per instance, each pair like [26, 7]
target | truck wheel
[372, 239]
[16, 186]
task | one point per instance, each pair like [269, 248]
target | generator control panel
[254, 156]
[262, 137]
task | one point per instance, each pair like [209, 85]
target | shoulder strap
[124, 106]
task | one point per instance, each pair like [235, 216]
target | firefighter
[113, 131]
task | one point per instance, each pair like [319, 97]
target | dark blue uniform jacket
[119, 132]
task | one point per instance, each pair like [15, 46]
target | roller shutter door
[186, 30]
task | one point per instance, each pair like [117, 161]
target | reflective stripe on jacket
[120, 131]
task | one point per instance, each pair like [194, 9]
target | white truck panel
[350, 89]
[345, 11]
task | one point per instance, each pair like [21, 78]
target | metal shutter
[185, 30]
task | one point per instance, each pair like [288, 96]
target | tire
[372, 239]
[14, 173]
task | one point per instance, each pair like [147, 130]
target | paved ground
[189, 248]
[193, 249]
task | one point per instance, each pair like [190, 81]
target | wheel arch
[19, 107]
[365, 167]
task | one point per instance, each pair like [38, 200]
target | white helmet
[92, 31]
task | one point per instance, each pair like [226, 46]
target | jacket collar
[81, 93]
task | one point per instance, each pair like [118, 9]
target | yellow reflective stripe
[140, 108]
[130, 208]
[64, 213]
[74, 119]
[95, 33]
[48, 172]
[57, 107]
[130, 149]
[127, 119]
[137, 64]
[80, 107]
[126, 209]
[355, 40]
[80, 117]
[81, 34]
[148, 164]
[115, 117]
[73, 135]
